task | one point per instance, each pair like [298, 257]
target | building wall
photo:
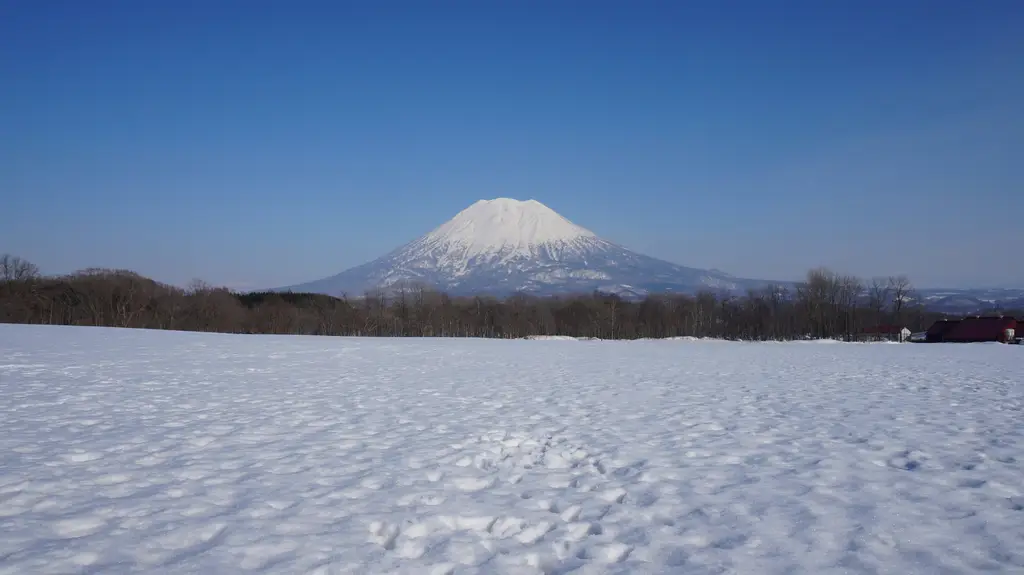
[981, 329]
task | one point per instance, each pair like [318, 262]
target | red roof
[976, 329]
[941, 328]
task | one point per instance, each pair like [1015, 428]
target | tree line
[824, 305]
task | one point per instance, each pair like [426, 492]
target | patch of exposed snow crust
[168, 452]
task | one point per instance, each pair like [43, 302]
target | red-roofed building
[939, 329]
[982, 329]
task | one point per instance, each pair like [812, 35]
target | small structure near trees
[884, 332]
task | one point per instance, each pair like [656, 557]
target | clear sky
[268, 142]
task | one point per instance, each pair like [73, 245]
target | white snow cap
[488, 226]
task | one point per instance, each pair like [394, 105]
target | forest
[824, 305]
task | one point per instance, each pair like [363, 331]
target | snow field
[125, 451]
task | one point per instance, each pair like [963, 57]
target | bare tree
[198, 286]
[13, 268]
[826, 305]
[818, 295]
[850, 290]
[878, 299]
[900, 290]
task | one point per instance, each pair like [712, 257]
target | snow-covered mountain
[972, 301]
[504, 246]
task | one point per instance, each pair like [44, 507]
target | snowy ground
[132, 451]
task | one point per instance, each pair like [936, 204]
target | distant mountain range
[505, 246]
[971, 301]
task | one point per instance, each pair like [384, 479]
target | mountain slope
[504, 246]
[972, 301]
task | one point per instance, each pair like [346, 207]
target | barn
[977, 329]
[937, 332]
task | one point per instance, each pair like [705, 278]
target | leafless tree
[878, 299]
[825, 305]
[13, 268]
[900, 289]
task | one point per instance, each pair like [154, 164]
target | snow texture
[128, 451]
[504, 246]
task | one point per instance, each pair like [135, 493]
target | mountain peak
[504, 245]
[505, 225]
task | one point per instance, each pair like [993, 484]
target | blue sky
[265, 143]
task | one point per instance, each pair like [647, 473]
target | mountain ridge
[505, 246]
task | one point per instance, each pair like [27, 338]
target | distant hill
[960, 301]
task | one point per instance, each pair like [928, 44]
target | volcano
[504, 246]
